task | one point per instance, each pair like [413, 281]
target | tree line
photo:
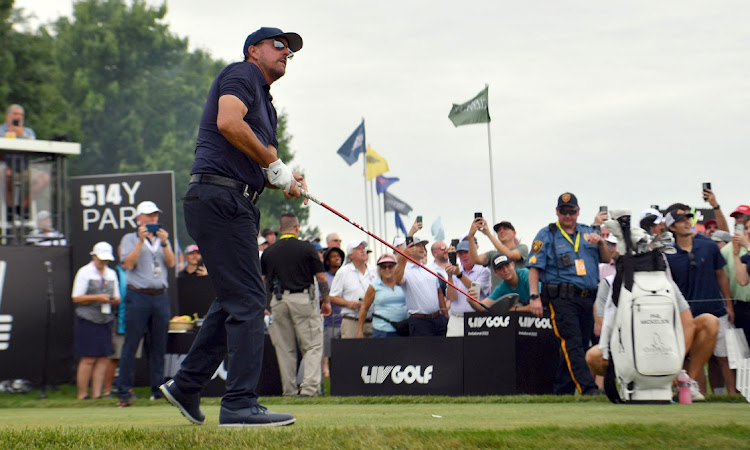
[116, 79]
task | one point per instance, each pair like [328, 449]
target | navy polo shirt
[214, 154]
[745, 259]
[696, 276]
[548, 248]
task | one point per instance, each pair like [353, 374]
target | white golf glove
[279, 175]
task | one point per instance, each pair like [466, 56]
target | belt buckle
[245, 193]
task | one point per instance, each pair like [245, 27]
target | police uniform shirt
[214, 154]
[547, 256]
[292, 262]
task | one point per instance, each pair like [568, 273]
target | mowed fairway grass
[381, 422]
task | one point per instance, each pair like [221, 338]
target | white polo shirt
[351, 284]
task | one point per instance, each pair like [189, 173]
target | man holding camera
[13, 126]
[194, 266]
[504, 243]
[428, 313]
[146, 256]
[565, 258]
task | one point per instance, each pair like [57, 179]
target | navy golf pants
[224, 224]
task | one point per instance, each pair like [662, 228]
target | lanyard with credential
[565, 235]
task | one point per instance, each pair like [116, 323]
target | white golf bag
[647, 345]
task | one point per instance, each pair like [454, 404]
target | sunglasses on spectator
[387, 266]
[567, 212]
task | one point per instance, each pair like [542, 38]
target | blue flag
[354, 145]
[399, 222]
[382, 183]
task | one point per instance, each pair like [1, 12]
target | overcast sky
[624, 103]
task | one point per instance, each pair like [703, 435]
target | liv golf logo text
[408, 375]
[5, 319]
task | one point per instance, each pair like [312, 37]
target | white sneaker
[695, 392]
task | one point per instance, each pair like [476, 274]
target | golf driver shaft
[314, 199]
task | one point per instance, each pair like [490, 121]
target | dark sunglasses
[387, 266]
[279, 45]
[568, 212]
[693, 264]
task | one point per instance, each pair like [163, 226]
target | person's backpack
[647, 345]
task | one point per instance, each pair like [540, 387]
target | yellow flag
[376, 164]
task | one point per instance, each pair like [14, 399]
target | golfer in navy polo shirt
[235, 158]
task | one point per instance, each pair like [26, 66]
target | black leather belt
[367, 320]
[297, 291]
[425, 316]
[566, 291]
[147, 291]
[207, 178]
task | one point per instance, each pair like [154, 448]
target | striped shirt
[421, 289]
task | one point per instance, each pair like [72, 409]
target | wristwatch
[459, 276]
[533, 296]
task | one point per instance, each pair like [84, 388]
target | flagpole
[364, 178]
[381, 206]
[372, 210]
[492, 177]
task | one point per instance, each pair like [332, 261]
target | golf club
[312, 198]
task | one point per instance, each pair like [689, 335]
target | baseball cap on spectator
[612, 239]
[103, 251]
[294, 39]
[418, 241]
[146, 207]
[398, 240]
[504, 224]
[44, 214]
[317, 246]
[567, 199]
[462, 246]
[354, 244]
[386, 259]
[190, 249]
[262, 240]
[710, 222]
[675, 216]
[721, 236]
[267, 231]
[649, 218]
[500, 260]
[334, 250]
[742, 210]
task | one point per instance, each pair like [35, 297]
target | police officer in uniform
[235, 158]
[289, 269]
[565, 257]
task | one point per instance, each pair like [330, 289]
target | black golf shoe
[189, 405]
[255, 416]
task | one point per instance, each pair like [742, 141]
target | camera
[16, 122]
[603, 209]
[566, 260]
[153, 227]
[452, 258]
[419, 219]
[477, 215]
[409, 240]
[706, 186]
[454, 243]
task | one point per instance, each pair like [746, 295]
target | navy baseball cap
[294, 39]
[504, 224]
[567, 199]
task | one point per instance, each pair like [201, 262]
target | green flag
[475, 110]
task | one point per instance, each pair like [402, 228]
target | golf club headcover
[279, 175]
